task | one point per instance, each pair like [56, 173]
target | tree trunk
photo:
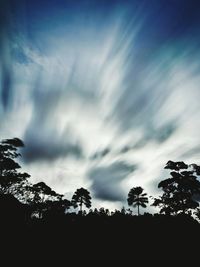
[81, 206]
[138, 206]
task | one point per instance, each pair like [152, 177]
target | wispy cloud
[106, 180]
[83, 88]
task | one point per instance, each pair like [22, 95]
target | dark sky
[103, 93]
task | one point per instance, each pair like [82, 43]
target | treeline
[181, 193]
[38, 225]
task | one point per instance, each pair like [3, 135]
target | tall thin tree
[137, 198]
[81, 197]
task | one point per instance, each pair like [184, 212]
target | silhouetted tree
[81, 197]
[103, 212]
[137, 198]
[10, 177]
[43, 197]
[56, 207]
[44, 190]
[123, 211]
[179, 190]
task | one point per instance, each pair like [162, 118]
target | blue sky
[103, 93]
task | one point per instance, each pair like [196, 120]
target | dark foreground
[96, 239]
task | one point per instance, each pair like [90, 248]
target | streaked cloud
[106, 180]
[101, 88]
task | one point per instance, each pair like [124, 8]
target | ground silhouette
[37, 222]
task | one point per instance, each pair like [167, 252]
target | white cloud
[92, 83]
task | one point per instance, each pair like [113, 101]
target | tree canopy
[179, 190]
[9, 174]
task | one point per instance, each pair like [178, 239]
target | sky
[103, 93]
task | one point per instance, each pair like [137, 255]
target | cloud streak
[112, 90]
[106, 180]
[49, 146]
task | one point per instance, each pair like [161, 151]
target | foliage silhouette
[54, 226]
[178, 190]
[45, 199]
[137, 198]
[81, 197]
[10, 177]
